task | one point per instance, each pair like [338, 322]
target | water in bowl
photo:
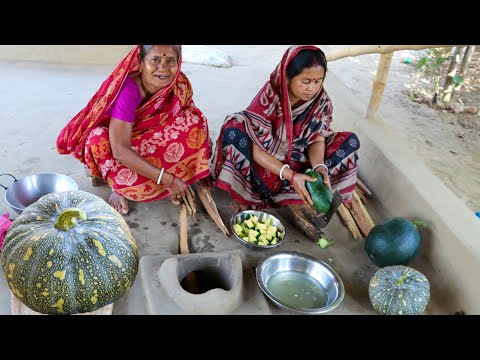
[297, 290]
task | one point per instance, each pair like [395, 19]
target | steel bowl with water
[262, 216]
[27, 190]
[300, 283]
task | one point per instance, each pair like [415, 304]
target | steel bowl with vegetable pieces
[257, 229]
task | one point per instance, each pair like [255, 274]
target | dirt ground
[448, 143]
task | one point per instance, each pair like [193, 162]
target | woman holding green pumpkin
[263, 152]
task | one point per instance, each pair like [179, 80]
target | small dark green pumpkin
[399, 290]
[394, 242]
[69, 253]
[319, 192]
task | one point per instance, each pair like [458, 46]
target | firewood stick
[364, 210]
[363, 187]
[361, 195]
[348, 219]
[185, 201]
[361, 216]
[211, 211]
[182, 221]
[192, 202]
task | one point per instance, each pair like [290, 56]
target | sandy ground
[451, 151]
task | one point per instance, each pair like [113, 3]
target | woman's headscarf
[164, 104]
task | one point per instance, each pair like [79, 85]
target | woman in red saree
[141, 131]
[262, 152]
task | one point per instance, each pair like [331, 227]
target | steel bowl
[262, 216]
[326, 281]
[27, 190]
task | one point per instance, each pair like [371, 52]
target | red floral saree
[270, 123]
[169, 131]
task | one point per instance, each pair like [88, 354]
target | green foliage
[430, 69]
[434, 58]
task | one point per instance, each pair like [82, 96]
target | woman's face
[306, 85]
[159, 67]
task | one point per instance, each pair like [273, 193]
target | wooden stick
[185, 201]
[364, 209]
[183, 225]
[192, 201]
[211, 208]
[360, 215]
[361, 185]
[361, 195]
[348, 219]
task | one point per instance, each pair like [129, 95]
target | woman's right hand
[177, 189]
[300, 188]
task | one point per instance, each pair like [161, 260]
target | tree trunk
[452, 71]
[463, 71]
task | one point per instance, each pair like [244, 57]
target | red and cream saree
[168, 131]
[270, 123]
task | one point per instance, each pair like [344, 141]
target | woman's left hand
[326, 180]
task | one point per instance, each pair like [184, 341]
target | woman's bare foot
[119, 203]
[236, 207]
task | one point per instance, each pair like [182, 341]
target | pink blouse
[127, 101]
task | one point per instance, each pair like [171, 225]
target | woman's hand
[300, 188]
[326, 180]
[177, 189]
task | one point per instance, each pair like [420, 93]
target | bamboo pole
[378, 49]
[380, 82]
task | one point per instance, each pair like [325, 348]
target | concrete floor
[36, 101]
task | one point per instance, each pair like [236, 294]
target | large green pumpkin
[69, 253]
[394, 242]
[399, 290]
[319, 192]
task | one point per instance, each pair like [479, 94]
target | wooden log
[360, 215]
[361, 195]
[349, 221]
[298, 219]
[365, 190]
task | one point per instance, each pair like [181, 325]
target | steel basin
[317, 269]
[27, 190]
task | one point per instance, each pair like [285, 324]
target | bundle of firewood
[355, 215]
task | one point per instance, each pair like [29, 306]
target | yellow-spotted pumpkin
[69, 253]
